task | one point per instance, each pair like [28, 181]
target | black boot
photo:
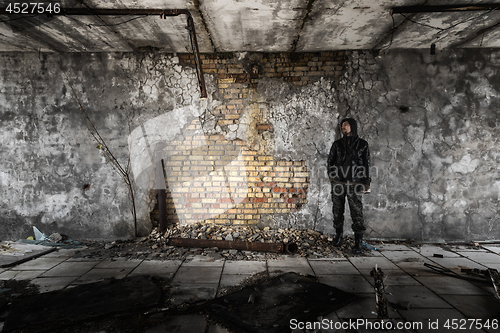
[339, 233]
[358, 243]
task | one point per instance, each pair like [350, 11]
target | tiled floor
[417, 294]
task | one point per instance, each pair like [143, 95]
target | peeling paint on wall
[53, 176]
[431, 122]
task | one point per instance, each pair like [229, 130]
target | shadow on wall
[211, 179]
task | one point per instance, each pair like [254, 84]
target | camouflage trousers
[353, 193]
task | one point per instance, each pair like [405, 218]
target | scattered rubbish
[380, 299]
[489, 274]
[473, 275]
[15, 253]
[495, 279]
[369, 247]
[413, 259]
[303, 301]
[476, 272]
[310, 243]
[437, 255]
[55, 238]
[39, 236]
[68, 244]
[402, 305]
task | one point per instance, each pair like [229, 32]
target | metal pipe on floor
[495, 280]
[290, 248]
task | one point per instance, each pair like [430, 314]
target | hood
[353, 124]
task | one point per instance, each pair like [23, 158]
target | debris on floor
[14, 253]
[55, 239]
[310, 243]
[137, 303]
[495, 280]
[380, 299]
[269, 306]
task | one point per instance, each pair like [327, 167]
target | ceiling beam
[390, 35]
[109, 11]
[302, 24]
[475, 36]
[443, 8]
[163, 13]
[29, 28]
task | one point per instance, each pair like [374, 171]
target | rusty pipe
[162, 201]
[290, 248]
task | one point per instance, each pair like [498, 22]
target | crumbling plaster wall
[432, 124]
[52, 176]
[431, 121]
[303, 120]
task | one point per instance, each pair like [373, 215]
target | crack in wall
[197, 5]
[306, 18]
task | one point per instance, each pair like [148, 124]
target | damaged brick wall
[213, 180]
[255, 151]
[282, 107]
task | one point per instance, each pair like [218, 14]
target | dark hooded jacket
[349, 158]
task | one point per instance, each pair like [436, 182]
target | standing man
[349, 173]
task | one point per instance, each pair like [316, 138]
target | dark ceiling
[252, 25]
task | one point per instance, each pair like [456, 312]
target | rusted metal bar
[235, 245]
[446, 271]
[196, 51]
[162, 202]
[162, 208]
[444, 8]
[380, 299]
[495, 279]
[488, 274]
[476, 272]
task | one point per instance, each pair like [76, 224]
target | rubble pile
[310, 243]
[155, 246]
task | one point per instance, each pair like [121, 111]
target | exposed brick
[204, 170]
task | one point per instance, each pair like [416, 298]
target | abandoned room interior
[165, 166]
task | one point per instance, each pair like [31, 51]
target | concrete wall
[52, 176]
[431, 121]
[433, 124]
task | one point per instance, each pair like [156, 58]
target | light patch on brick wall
[215, 180]
[211, 179]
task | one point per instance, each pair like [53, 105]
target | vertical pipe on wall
[162, 203]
